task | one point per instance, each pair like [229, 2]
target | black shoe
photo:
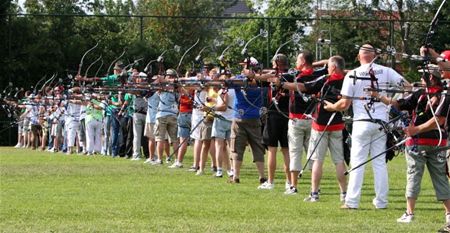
[234, 181]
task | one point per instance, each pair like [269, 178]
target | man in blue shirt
[246, 129]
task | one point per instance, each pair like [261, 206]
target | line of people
[297, 110]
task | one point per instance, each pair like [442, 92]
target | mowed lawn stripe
[43, 192]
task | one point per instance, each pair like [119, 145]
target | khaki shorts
[299, 132]
[149, 130]
[331, 140]
[206, 129]
[166, 125]
[243, 132]
[44, 126]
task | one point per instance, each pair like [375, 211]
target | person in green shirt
[94, 117]
[109, 80]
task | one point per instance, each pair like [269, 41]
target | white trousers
[94, 136]
[364, 141]
[73, 126]
[138, 127]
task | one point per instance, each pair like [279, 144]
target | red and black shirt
[329, 89]
[417, 105]
[297, 106]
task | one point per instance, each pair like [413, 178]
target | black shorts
[275, 130]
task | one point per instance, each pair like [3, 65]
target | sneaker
[262, 180]
[157, 162]
[136, 159]
[233, 180]
[193, 169]
[176, 165]
[342, 196]
[447, 218]
[148, 161]
[445, 228]
[405, 218]
[266, 185]
[219, 174]
[313, 197]
[199, 173]
[346, 207]
[287, 186]
[168, 159]
[291, 191]
[230, 173]
[18, 145]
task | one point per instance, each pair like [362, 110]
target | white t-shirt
[352, 88]
[199, 98]
[73, 111]
[82, 112]
[229, 113]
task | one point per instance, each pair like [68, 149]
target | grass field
[43, 192]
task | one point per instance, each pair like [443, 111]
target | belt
[375, 121]
[142, 112]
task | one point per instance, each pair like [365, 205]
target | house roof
[239, 8]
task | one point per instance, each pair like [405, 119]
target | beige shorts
[206, 129]
[331, 140]
[243, 132]
[166, 125]
[298, 137]
[149, 130]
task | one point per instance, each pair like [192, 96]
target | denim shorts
[221, 129]
[184, 125]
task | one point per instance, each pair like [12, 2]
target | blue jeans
[115, 124]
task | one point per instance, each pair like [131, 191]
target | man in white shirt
[367, 136]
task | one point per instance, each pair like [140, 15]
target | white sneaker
[266, 185]
[148, 160]
[342, 197]
[287, 186]
[192, 169]
[18, 145]
[230, 173]
[219, 173]
[291, 191]
[447, 217]
[199, 173]
[157, 162]
[176, 165]
[405, 218]
[313, 197]
[136, 159]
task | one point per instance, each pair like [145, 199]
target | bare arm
[341, 105]
[222, 107]
[425, 127]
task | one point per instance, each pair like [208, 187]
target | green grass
[43, 192]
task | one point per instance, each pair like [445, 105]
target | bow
[223, 63]
[426, 62]
[294, 38]
[182, 57]
[114, 61]
[80, 65]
